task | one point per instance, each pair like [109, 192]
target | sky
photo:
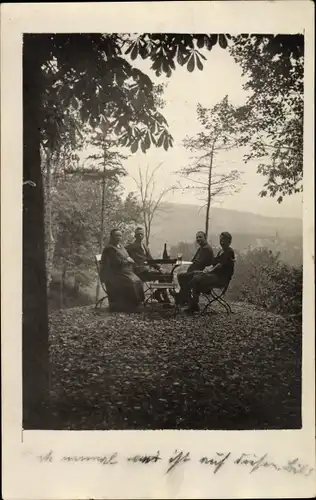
[221, 76]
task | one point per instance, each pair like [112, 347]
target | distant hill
[179, 222]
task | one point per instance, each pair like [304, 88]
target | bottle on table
[165, 253]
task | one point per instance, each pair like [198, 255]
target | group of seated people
[123, 270]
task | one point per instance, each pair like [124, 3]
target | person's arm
[129, 250]
[115, 260]
[217, 266]
[212, 256]
[226, 257]
[206, 257]
[110, 260]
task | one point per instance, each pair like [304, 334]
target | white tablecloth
[185, 262]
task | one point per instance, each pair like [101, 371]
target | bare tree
[150, 200]
[219, 134]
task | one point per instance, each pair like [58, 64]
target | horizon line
[233, 210]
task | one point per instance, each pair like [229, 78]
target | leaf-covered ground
[153, 371]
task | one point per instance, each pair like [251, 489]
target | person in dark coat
[218, 277]
[140, 254]
[124, 288]
[202, 259]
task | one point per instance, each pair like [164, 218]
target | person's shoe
[157, 296]
[192, 309]
[179, 299]
[166, 299]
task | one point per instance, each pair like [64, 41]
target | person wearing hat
[140, 254]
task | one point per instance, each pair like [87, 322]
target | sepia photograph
[162, 231]
[157, 258]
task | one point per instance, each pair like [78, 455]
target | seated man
[218, 277]
[140, 253]
[202, 258]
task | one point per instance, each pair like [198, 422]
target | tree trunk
[209, 192]
[76, 286]
[146, 227]
[61, 294]
[50, 244]
[147, 235]
[62, 286]
[35, 316]
[102, 222]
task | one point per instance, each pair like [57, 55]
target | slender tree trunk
[62, 286]
[61, 298]
[35, 355]
[147, 233]
[209, 191]
[102, 222]
[76, 286]
[50, 243]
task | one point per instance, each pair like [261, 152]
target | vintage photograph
[162, 231]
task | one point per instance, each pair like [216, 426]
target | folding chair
[97, 259]
[213, 296]
[147, 290]
[153, 286]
